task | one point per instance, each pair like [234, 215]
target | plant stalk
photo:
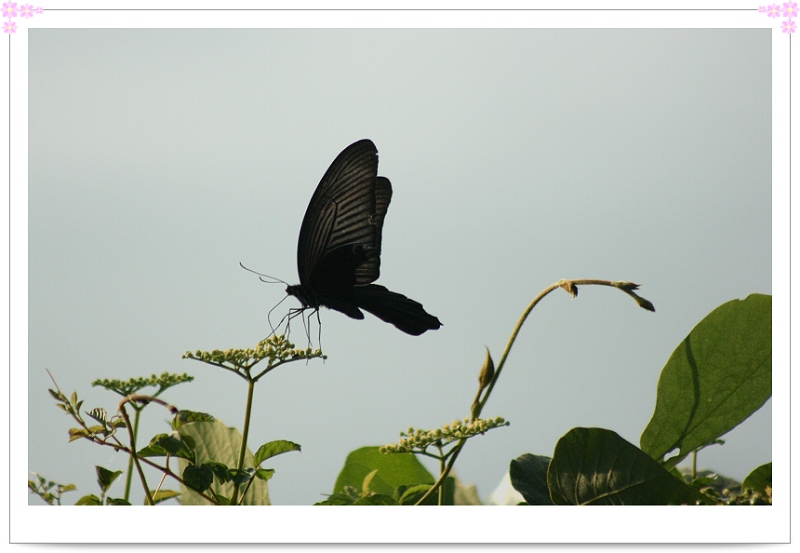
[251, 384]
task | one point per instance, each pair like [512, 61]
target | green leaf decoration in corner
[529, 477]
[217, 445]
[715, 379]
[594, 466]
[383, 474]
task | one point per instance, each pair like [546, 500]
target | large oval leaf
[716, 378]
[390, 473]
[594, 466]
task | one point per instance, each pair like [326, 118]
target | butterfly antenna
[264, 278]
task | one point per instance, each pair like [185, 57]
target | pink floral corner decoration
[788, 10]
[10, 11]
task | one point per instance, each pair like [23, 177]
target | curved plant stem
[129, 472]
[570, 286]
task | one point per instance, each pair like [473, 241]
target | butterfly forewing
[369, 271]
[342, 210]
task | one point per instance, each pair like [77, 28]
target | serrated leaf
[529, 477]
[715, 379]
[99, 414]
[594, 466]
[271, 449]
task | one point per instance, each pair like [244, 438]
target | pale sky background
[160, 159]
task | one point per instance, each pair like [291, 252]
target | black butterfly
[339, 249]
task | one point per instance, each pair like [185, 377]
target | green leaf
[90, 499]
[221, 472]
[594, 466]
[759, 479]
[106, 477]
[174, 444]
[198, 478]
[413, 494]
[163, 495]
[185, 417]
[337, 499]
[99, 414]
[216, 442]
[716, 378]
[265, 474]
[77, 434]
[271, 449]
[376, 499]
[116, 501]
[394, 470]
[529, 477]
[241, 476]
[57, 395]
